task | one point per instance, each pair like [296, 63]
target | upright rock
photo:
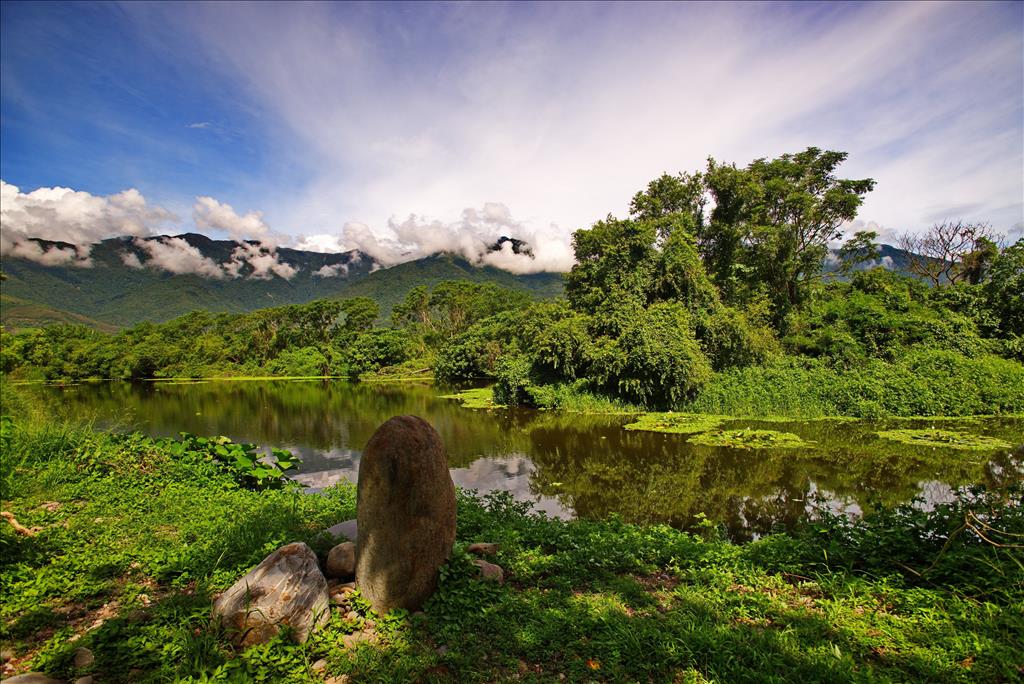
[406, 513]
[286, 588]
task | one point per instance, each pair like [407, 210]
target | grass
[949, 439]
[134, 542]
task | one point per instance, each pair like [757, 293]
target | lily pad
[750, 439]
[675, 423]
[949, 439]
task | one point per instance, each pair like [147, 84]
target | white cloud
[475, 236]
[131, 260]
[53, 255]
[209, 214]
[75, 217]
[262, 259]
[331, 271]
[178, 256]
[326, 244]
[199, 124]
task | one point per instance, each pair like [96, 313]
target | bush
[657, 361]
[513, 382]
[377, 348]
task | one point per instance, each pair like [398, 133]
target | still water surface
[569, 464]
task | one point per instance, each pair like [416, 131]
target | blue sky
[351, 125]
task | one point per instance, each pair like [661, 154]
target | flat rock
[345, 530]
[405, 512]
[285, 589]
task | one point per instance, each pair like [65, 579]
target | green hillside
[114, 294]
[389, 286]
[18, 314]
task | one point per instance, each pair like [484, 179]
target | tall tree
[773, 220]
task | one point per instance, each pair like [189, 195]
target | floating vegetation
[676, 423]
[949, 439]
[480, 398]
[750, 439]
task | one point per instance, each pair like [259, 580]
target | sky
[401, 129]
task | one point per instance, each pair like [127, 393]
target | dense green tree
[1005, 289]
[773, 220]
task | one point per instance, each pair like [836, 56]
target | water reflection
[567, 464]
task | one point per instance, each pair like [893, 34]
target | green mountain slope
[112, 293]
[17, 314]
[389, 286]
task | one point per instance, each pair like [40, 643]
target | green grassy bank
[132, 537]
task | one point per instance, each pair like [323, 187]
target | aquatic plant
[750, 439]
[675, 423]
[950, 439]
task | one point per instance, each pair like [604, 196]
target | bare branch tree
[944, 254]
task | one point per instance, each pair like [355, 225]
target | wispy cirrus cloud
[377, 125]
[561, 112]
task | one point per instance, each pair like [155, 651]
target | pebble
[83, 657]
[319, 666]
[482, 549]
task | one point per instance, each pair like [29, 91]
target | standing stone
[287, 588]
[406, 514]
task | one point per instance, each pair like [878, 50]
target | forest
[714, 295]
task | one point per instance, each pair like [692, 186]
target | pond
[571, 464]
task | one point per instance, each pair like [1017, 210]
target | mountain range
[123, 285]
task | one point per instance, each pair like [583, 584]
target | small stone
[7, 654]
[370, 624]
[84, 680]
[355, 638]
[345, 530]
[287, 588]
[442, 649]
[83, 657]
[319, 666]
[490, 571]
[352, 616]
[50, 506]
[483, 549]
[341, 561]
[340, 679]
[32, 678]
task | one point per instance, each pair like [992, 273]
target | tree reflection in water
[567, 463]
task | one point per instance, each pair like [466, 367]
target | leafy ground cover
[133, 537]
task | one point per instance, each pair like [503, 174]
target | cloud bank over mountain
[81, 219]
